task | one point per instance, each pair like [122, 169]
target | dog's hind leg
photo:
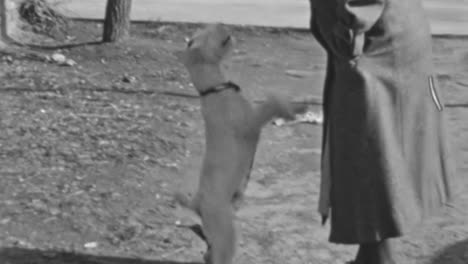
[220, 231]
[198, 230]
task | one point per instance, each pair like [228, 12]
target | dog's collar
[220, 87]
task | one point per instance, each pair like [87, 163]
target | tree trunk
[3, 22]
[117, 21]
[9, 22]
[311, 14]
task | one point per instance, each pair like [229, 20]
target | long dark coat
[386, 163]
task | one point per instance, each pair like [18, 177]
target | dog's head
[209, 45]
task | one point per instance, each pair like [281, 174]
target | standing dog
[232, 131]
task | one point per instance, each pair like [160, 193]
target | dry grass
[82, 161]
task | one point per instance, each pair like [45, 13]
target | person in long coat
[385, 161]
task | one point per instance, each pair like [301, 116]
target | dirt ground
[90, 154]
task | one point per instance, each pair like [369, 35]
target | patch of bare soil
[91, 153]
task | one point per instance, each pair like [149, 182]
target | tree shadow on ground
[31, 256]
[454, 254]
[62, 46]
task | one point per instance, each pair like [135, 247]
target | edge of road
[286, 28]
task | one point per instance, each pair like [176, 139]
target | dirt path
[93, 174]
[447, 16]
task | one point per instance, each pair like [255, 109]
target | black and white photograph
[233, 132]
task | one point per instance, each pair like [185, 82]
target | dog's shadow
[32, 256]
[453, 254]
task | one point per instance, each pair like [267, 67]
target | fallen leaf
[91, 245]
[129, 79]
[5, 221]
[298, 73]
[69, 62]
[54, 211]
[58, 58]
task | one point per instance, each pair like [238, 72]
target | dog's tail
[277, 107]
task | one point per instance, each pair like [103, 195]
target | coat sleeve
[355, 18]
[315, 30]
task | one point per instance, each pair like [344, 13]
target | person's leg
[376, 253]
